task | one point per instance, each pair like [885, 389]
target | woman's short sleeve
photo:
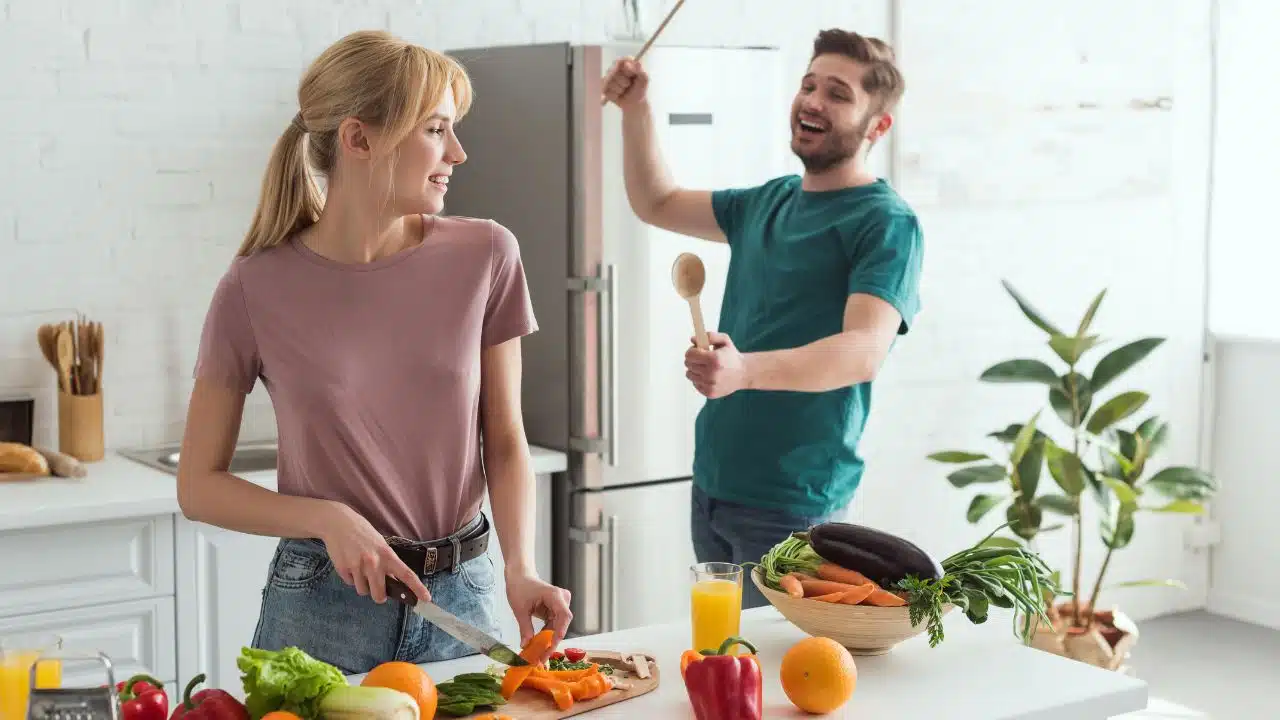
[228, 352]
[509, 311]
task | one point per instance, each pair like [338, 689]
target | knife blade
[474, 637]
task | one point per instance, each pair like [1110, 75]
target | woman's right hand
[363, 558]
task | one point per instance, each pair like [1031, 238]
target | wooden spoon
[47, 336]
[65, 351]
[689, 275]
[649, 43]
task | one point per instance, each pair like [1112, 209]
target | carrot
[831, 571]
[884, 598]
[792, 586]
[858, 594]
[829, 597]
[517, 676]
[557, 689]
[566, 675]
[824, 587]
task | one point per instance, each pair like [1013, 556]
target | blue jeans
[729, 532]
[306, 604]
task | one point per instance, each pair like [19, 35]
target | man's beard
[836, 147]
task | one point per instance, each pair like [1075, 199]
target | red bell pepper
[142, 697]
[208, 704]
[721, 686]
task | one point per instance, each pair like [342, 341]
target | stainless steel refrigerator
[604, 376]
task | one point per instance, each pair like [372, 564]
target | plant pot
[1106, 643]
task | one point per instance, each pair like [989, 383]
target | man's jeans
[730, 532]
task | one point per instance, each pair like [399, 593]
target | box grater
[91, 703]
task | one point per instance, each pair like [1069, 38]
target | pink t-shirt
[374, 369]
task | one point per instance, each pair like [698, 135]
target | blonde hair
[370, 75]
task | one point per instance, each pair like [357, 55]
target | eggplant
[882, 557]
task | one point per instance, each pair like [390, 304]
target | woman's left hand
[530, 597]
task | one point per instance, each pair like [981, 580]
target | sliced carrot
[829, 597]
[557, 689]
[566, 675]
[824, 587]
[791, 584]
[538, 646]
[883, 598]
[858, 594]
[836, 573]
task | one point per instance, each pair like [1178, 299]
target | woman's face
[423, 162]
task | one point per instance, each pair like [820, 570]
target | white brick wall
[133, 134]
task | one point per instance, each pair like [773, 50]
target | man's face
[830, 115]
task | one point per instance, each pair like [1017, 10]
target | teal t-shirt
[795, 257]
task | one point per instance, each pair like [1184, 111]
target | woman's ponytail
[290, 199]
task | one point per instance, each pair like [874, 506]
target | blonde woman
[388, 338]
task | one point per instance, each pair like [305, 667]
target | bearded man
[823, 277]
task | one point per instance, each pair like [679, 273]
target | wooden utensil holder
[80, 426]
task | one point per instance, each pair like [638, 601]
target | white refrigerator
[604, 376]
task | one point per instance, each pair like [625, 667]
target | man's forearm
[647, 179]
[841, 360]
[512, 496]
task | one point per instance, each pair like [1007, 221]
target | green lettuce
[288, 679]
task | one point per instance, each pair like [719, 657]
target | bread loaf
[22, 459]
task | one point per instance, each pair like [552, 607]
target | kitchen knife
[488, 645]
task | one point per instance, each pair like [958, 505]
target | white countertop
[976, 673]
[117, 487]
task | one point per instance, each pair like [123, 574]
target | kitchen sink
[247, 458]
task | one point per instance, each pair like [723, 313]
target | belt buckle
[429, 562]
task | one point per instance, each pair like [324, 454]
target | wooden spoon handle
[699, 327]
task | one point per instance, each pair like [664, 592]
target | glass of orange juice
[716, 600]
[17, 655]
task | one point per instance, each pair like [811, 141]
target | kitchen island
[976, 673]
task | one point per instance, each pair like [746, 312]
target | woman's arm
[208, 493]
[512, 493]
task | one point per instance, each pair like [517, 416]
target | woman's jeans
[305, 604]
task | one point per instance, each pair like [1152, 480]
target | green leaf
[1087, 320]
[1092, 479]
[981, 505]
[1024, 519]
[1060, 398]
[1118, 361]
[1114, 463]
[1010, 433]
[1127, 496]
[1115, 410]
[1149, 583]
[957, 456]
[1028, 470]
[1178, 506]
[1023, 440]
[977, 474]
[995, 541]
[1067, 469]
[1060, 504]
[1119, 534]
[1183, 483]
[1020, 371]
[1032, 314]
[1156, 431]
[1072, 347]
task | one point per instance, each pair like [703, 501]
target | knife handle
[399, 591]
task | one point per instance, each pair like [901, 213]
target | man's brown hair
[881, 78]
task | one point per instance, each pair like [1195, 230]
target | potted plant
[1091, 454]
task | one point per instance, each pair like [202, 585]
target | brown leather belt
[447, 554]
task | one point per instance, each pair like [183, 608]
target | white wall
[134, 133]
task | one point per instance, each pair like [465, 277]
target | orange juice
[15, 681]
[717, 611]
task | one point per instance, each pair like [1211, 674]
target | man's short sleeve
[887, 261]
[228, 353]
[509, 311]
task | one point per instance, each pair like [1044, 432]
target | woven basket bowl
[863, 629]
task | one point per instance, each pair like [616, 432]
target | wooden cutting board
[634, 674]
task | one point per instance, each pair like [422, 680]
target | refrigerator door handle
[605, 535]
[606, 286]
[611, 289]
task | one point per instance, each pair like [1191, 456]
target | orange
[818, 675]
[280, 715]
[409, 679]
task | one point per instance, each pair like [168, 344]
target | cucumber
[881, 556]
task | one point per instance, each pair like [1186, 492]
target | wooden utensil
[688, 275]
[65, 351]
[649, 43]
[47, 337]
